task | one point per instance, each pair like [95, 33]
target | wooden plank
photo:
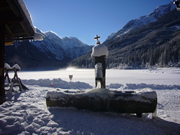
[9, 31]
[2, 52]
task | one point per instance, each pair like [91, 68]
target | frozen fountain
[99, 53]
[102, 99]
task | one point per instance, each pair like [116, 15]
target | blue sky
[86, 18]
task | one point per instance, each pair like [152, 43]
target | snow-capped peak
[70, 42]
[52, 35]
[69, 46]
[66, 42]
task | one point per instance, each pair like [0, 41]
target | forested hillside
[155, 44]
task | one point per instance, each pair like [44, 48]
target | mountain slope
[159, 12]
[53, 52]
[154, 44]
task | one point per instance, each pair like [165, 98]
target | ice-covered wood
[98, 70]
[101, 60]
[138, 101]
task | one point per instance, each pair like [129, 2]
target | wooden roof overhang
[17, 25]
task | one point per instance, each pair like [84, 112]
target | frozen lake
[166, 76]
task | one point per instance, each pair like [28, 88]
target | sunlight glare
[70, 68]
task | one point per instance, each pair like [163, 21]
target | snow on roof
[99, 50]
[26, 12]
[37, 36]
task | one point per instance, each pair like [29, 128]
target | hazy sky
[86, 18]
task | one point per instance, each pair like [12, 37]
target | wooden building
[15, 24]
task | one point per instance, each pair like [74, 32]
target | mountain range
[51, 53]
[151, 40]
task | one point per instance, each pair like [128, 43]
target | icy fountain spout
[99, 53]
[98, 85]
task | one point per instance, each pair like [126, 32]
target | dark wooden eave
[14, 25]
[17, 26]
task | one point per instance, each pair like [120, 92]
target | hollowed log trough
[104, 100]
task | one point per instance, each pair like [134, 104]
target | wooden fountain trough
[104, 100]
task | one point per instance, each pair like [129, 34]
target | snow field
[26, 112]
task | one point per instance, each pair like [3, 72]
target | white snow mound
[99, 50]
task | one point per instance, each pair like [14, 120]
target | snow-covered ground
[26, 112]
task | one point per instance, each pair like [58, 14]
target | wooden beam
[9, 31]
[8, 43]
[2, 52]
[13, 7]
[18, 11]
[25, 28]
[11, 20]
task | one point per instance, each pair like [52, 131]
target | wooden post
[101, 59]
[2, 52]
